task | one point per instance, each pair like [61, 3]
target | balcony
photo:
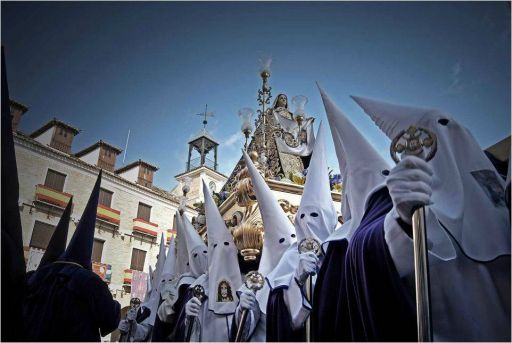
[127, 280]
[103, 270]
[108, 214]
[145, 227]
[50, 196]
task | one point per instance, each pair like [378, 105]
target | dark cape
[66, 302]
[279, 328]
[13, 261]
[359, 295]
[179, 323]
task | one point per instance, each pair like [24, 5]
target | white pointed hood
[169, 269]
[316, 216]
[182, 264]
[154, 298]
[223, 269]
[467, 192]
[363, 170]
[148, 287]
[160, 262]
[279, 231]
[197, 250]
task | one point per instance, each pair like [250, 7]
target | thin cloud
[456, 86]
[235, 138]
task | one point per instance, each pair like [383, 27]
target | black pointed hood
[57, 244]
[13, 262]
[79, 249]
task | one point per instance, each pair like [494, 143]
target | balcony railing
[127, 277]
[103, 270]
[145, 227]
[108, 214]
[51, 196]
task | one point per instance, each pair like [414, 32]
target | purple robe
[66, 302]
[180, 328]
[279, 328]
[359, 295]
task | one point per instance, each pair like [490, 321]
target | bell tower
[203, 143]
[201, 165]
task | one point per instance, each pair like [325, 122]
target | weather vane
[205, 114]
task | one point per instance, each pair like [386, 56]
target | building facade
[132, 212]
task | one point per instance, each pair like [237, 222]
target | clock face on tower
[212, 186]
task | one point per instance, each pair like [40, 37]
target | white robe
[470, 300]
[208, 326]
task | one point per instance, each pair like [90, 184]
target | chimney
[100, 154]
[56, 134]
[139, 172]
[17, 110]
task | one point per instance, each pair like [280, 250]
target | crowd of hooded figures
[362, 281]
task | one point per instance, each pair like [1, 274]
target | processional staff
[198, 292]
[410, 142]
[254, 281]
[305, 245]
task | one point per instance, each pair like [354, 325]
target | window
[97, 250]
[105, 197]
[55, 180]
[41, 235]
[138, 257]
[144, 212]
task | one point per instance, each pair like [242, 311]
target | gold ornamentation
[248, 239]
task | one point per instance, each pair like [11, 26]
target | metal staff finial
[415, 141]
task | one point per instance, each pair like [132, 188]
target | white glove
[410, 186]
[131, 315]
[123, 326]
[192, 307]
[247, 299]
[307, 266]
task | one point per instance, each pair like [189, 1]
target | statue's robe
[66, 302]
[208, 326]
[359, 295]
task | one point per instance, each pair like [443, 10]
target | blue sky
[150, 66]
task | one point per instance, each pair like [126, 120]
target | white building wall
[46, 137]
[117, 249]
[131, 174]
[91, 157]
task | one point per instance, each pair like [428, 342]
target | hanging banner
[34, 258]
[139, 284]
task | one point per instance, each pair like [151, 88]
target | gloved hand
[192, 307]
[247, 299]
[123, 326]
[410, 186]
[307, 266]
[131, 315]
